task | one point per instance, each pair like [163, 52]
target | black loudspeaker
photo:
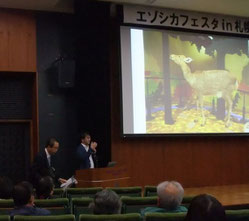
[66, 70]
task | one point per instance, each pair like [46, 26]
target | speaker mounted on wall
[66, 73]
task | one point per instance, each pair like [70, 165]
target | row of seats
[79, 206]
[123, 191]
[232, 215]
[135, 192]
[90, 192]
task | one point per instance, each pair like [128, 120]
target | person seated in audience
[23, 197]
[45, 188]
[6, 188]
[206, 208]
[170, 195]
[106, 202]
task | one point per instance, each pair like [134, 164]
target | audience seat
[237, 207]
[68, 217]
[57, 206]
[237, 215]
[150, 191]
[80, 206]
[4, 218]
[115, 217]
[6, 206]
[59, 193]
[186, 200]
[135, 204]
[83, 192]
[165, 216]
[135, 191]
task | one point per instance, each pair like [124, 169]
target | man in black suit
[42, 167]
[85, 152]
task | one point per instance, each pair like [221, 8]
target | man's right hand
[62, 180]
[94, 146]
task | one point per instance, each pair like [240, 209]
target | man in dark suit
[42, 166]
[85, 152]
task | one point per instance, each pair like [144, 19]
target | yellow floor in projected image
[189, 121]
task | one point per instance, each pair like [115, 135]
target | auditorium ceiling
[41, 5]
[228, 7]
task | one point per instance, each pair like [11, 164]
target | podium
[103, 177]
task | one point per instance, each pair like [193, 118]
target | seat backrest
[127, 191]
[237, 215]
[165, 216]
[6, 206]
[4, 218]
[150, 191]
[59, 193]
[237, 207]
[114, 217]
[80, 206]
[56, 206]
[68, 217]
[135, 204]
[83, 192]
[187, 199]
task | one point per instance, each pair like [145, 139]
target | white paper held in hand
[69, 183]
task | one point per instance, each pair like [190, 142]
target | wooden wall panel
[235, 161]
[18, 56]
[4, 52]
[205, 162]
[193, 162]
[178, 160]
[17, 41]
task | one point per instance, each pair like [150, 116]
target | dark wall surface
[93, 73]
[57, 106]
[65, 112]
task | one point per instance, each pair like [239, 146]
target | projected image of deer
[218, 83]
[195, 83]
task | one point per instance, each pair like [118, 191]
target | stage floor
[227, 195]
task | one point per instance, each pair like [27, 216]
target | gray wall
[57, 106]
[64, 113]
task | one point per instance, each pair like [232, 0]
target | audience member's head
[45, 188]
[106, 202]
[23, 194]
[206, 208]
[6, 188]
[170, 194]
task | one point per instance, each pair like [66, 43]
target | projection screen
[183, 83]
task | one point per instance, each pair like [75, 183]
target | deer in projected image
[210, 82]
